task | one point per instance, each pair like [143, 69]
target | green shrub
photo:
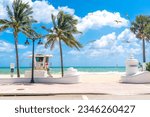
[148, 66]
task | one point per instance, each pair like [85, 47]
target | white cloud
[111, 44]
[8, 31]
[3, 13]
[67, 10]
[6, 47]
[9, 47]
[105, 41]
[42, 11]
[21, 46]
[127, 35]
[128, 38]
[99, 19]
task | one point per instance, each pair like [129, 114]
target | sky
[103, 39]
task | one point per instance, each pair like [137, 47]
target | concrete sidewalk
[100, 88]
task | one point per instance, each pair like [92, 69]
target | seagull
[126, 41]
[117, 21]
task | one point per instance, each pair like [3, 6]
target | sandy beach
[101, 77]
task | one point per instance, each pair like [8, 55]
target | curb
[49, 94]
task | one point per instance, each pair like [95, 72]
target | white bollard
[131, 66]
[144, 67]
[12, 68]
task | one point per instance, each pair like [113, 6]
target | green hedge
[148, 66]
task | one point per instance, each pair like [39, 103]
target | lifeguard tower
[41, 66]
[41, 61]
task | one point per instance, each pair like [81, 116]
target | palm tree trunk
[61, 58]
[144, 56]
[17, 57]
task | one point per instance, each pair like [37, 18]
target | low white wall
[65, 80]
[37, 74]
[141, 77]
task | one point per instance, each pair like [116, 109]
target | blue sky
[103, 39]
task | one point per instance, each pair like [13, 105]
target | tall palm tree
[147, 32]
[64, 28]
[19, 19]
[137, 27]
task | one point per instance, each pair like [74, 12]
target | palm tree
[19, 19]
[137, 27]
[147, 32]
[64, 28]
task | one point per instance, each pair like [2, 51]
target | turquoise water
[55, 70]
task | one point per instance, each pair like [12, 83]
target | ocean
[55, 70]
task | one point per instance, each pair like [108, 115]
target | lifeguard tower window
[39, 59]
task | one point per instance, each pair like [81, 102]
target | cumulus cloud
[111, 44]
[105, 41]
[98, 19]
[129, 38]
[127, 35]
[42, 11]
[67, 10]
[3, 13]
[6, 47]
[9, 47]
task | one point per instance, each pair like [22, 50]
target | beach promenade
[91, 86]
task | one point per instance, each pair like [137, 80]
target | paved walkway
[104, 88]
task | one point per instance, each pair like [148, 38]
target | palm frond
[63, 30]
[48, 30]
[60, 19]
[10, 13]
[53, 21]
[137, 27]
[70, 41]
[4, 27]
[5, 22]
[51, 39]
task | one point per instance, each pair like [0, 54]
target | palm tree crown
[20, 20]
[64, 28]
[147, 32]
[137, 27]
[19, 17]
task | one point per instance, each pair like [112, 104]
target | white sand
[101, 77]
